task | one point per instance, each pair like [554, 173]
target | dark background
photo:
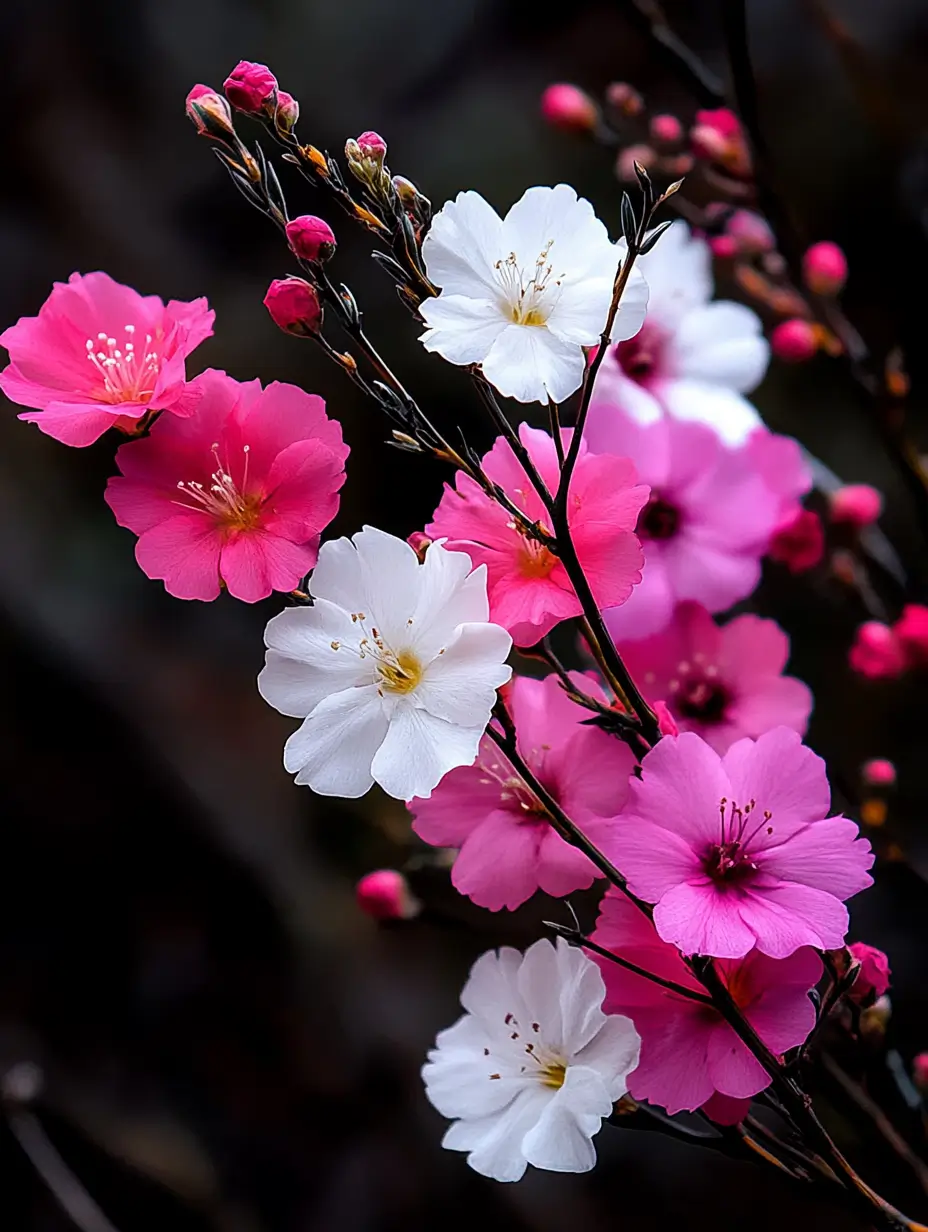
[226, 1043]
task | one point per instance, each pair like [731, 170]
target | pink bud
[372, 145]
[723, 247]
[385, 895]
[856, 504]
[794, 341]
[209, 112]
[310, 238]
[419, 542]
[566, 106]
[912, 631]
[708, 143]
[751, 231]
[874, 974]
[800, 545]
[722, 121]
[824, 268]
[288, 111]
[249, 86]
[876, 653]
[920, 1072]
[666, 129]
[294, 305]
[624, 98]
[625, 164]
[667, 724]
[878, 772]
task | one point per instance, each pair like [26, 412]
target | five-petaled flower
[235, 496]
[99, 355]
[393, 669]
[533, 1066]
[522, 296]
[738, 852]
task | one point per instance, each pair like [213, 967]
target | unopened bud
[920, 1072]
[800, 544]
[723, 247]
[878, 772]
[855, 504]
[751, 231]
[718, 136]
[708, 143]
[874, 975]
[210, 113]
[666, 129]
[566, 106]
[911, 629]
[644, 155]
[877, 652]
[624, 98]
[420, 543]
[824, 268]
[385, 895]
[288, 111]
[365, 156]
[794, 341]
[310, 238]
[415, 203]
[295, 306]
[249, 86]
[372, 145]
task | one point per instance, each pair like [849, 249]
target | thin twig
[705, 84]
[575, 937]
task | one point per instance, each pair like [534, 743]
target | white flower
[534, 1065]
[394, 668]
[522, 296]
[691, 358]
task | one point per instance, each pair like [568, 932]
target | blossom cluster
[669, 763]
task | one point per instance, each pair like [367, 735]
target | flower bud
[385, 895]
[912, 631]
[873, 977]
[310, 238]
[365, 156]
[920, 1072]
[718, 136]
[419, 542]
[878, 772]
[210, 113]
[855, 504]
[876, 653]
[800, 544]
[295, 306]
[415, 203]
[249, 86]
[723, 247]
[824, 268]
[751, 231]
[566, 106]
[288, 111]
[373, 146]
[625, 99]
[666, 129]
[625, 164]
[794, 341]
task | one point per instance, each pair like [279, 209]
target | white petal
[302, 667]
[334, 748]
[462, 245]
[492, 988]
[390, 577]
[679, 272]
[633, 306]
[460, 684]
[337, 576]
[560, 1140]
[419, 750]
[721, 344]
[529, 364]
[563, 990]
[730, 414]
[452, 593]
[555, 219]
[580, 313]
[613, 1053]
[461, 329]
[495, 1142]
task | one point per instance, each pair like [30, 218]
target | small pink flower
[690, 1056]
[707, 523]
[385, 895]
[874, 975]
[568, 107]
[911, 631]
[249, 86]
[311, 238]
[794, 341]
[528, 586]
[855, 504]
[722, 683]
[877, 652]
[824, 268]
[99, 355]
[878, 772]
[237, 495]
[737, 851]
[294, 306]
[799, 544]
[508, 849]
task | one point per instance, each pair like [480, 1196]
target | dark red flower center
[642, 358]
[730, 861]
[703, 700]
[658, 519]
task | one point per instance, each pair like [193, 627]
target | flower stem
[575, 937]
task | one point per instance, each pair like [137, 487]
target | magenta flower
[737, 851]
[722, 683]
[528, 586]
[508, 849]
[689, 1054]
[235, 496]
[708, 522]
[99, 355]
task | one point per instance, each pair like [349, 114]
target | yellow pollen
[534, 316]
[553, 1074]
[401, 675]
[537, 561]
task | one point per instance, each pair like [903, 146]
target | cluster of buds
[365, 156]
[882, 651]
[800, 543]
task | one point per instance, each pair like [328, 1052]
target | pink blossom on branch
[723, 683]
[738, 851]
[235, 496]
[528, 586]
[689, 1054]
[874, 976]
[508, 849]
[99, 355]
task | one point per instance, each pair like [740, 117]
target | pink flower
[708, 521]
[237, 495]
[874, 974]
[877, 652]
[508, 849]
[249, 86]
[99, 355]
[800, 544]
[722, 683]
[689, 1054]
[528, 586]
[737, 851]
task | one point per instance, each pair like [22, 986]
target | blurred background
[225, 1043]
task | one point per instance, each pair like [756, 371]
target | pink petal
[704, 919]
[184, 553]
[724, 1110]
[654, 860]
[302, 485]
[830, 855]
[649, 608]
[753, 649]
[681, 788]
[561, 868]
[280, 416]
[255, 563]
[497, 865]
[783, 776]
[779, 702]
[79, 424]
[787, 916]
[139, 506]
[673, 1070]
[732, 1069]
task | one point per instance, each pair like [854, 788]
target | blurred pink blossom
[874, 974]
[877, 652]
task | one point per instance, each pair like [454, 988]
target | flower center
[552, 1074]
[400, 673]
[233, 507]
[547, 1065]
[514, 796]
[128, 371]
[642, 358]
[658, 519]
[729, 861]
[705, 700]
[529, 295]
[536, 560]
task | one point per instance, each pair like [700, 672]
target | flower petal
[528, 363]
[419, 750]
[333, 750]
